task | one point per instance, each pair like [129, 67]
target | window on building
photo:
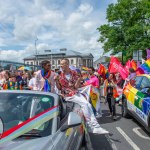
[31, 63]
[28, 63]
[58, 62]
[72, 62]
[53, 67]
[53, 62]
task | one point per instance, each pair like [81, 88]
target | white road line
[128, 139]
[139, 134]
[111, 142]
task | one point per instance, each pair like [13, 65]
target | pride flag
[102, 71]
[144, 68]
[133, 64]
[85, 68]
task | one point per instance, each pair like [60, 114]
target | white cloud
[22, 21]
[85, 9]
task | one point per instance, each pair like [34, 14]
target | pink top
[94, 81]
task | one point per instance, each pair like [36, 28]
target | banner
[114, 65]
[123, 72]
[127, 66]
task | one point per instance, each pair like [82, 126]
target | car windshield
[16, 108]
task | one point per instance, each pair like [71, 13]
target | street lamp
[36, 51]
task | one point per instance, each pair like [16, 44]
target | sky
[57, 24]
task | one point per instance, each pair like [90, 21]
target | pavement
[125, 134]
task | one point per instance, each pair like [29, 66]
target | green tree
[128, 27]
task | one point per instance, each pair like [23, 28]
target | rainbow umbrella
[25, 68]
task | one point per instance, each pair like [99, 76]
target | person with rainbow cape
[44, 79]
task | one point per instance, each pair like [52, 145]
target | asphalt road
[125, 134]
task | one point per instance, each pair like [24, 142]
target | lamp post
[36, 51]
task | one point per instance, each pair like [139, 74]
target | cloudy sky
[57, 24]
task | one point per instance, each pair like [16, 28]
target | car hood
[43, 143]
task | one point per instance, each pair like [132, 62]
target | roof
[99, 60]
[70, 53]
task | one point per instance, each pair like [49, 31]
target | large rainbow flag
[144, 68]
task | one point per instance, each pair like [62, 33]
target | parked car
[40, 120]
[136, 100]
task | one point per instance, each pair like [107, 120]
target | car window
[145, 82]
[17, 108]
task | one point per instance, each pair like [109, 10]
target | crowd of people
[66, 82]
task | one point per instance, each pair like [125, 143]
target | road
[125, 134]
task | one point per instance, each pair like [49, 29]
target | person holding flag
[110, 93]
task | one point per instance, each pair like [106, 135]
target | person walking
[110, 93]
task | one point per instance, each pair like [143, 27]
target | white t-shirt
[32, 82]
[68, 76]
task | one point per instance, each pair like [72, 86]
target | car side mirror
[73, 120]
[1, 127]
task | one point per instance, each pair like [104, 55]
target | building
[76, 59]
[101, 60]
[11, 65]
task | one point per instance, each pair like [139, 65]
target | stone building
[76, 59]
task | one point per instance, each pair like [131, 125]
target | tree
[128, 27]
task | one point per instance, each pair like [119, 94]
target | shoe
[98, 115]
[110, 115]
[114, 118]
[100, 130]
[91, 126]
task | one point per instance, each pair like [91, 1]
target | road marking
[139, 134]
[128, 139]
[111, 142]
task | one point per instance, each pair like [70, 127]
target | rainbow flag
[133, 64]
[144, 68]
[85, 68]
[103, 71]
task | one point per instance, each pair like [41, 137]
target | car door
[142, 100]
[71, 138]
[132, 89]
